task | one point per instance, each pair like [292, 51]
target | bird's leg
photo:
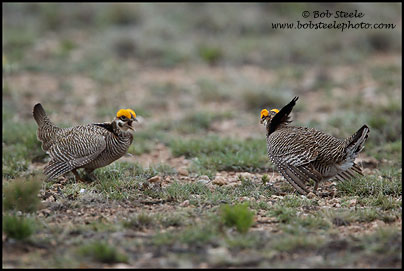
[315, 188]
[90, 177]
[76, 174]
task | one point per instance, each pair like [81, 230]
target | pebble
[185, 203]
[203, 179]
[219, 181]
[183, 172]
[167, 179]
[154, 179]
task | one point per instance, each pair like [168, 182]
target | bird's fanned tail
[354, 144]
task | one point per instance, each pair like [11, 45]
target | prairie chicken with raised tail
[88, 146]
[301, 153]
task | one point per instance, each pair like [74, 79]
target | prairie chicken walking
[302, 153]
[88, 146]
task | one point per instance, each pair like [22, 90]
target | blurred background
[191, 70]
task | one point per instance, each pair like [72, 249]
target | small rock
[185, 203]
[203, 179]
[154, 179]
[167, 179]
[82, 190]
[219, 181]
[183, 172]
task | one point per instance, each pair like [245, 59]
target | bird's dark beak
[130, 123]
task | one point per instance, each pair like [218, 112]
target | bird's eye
[123, 118]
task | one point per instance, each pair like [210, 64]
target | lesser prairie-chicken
[88, 146]
[301, 153]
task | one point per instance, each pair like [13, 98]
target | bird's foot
[78, 178]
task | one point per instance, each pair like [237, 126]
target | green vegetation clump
[18, 228]
[102, 252]
[238, 216]
[211, 55]
[21, 194]
[265, 179]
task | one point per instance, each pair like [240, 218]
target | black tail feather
[363, 133]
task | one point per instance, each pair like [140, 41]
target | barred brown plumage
[88, 146]
[302, 153]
